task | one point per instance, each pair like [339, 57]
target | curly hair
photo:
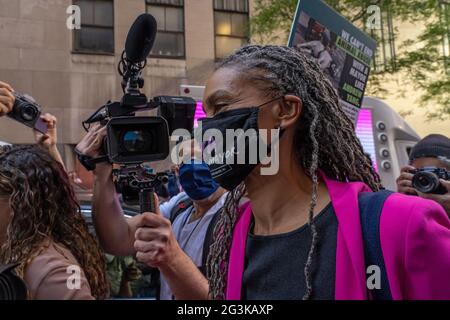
[44, 207]
[324, 140]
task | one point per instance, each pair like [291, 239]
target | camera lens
[426, 182]
[136, 141]
[28, 112]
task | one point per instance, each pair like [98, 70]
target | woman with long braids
[300, 235]
[43, 231]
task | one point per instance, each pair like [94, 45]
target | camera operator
[432, 151]
[179, 235]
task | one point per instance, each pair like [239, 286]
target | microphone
[138, 45]
[141, 38]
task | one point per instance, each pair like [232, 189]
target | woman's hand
[7, 98]
[50, 139]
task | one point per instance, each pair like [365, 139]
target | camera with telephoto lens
[426, 180]
[27, 112]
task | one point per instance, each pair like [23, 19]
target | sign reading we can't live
[343, 52]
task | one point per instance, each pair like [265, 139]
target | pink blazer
[415, 241]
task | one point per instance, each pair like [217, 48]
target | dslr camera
[27, 112]
[426, 180]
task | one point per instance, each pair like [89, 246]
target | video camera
[133, 140]
[426, 180]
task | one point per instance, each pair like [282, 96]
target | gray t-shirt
[190, 235]
[274, 264]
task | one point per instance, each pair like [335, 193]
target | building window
[385, 36]
[169, 15]
[97, 27]
[231, 24]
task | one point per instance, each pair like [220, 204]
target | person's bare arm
[115, 232]
[50, 139]
[185, 279]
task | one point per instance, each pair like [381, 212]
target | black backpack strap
[209, 240]
[12, 287]
[179, 208]
[370, 207]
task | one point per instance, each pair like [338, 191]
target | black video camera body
[426, 180]
[130, 140]
[27, 112]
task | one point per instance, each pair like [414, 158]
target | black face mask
[224, 166]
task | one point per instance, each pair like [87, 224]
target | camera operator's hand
[404, 181]
[155, 242]
[91, 144]
[442, 199]
[49, 139]
[7, 99]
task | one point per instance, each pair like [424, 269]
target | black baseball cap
[432, 146]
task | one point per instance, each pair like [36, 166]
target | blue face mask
[196, 180]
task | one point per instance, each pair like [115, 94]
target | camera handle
[147, 200]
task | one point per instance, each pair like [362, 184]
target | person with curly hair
[42, 229]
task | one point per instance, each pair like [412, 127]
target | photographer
[433, 151]
[180, 224]
[49, 140]
[41, 228]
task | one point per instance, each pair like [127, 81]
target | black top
[274, 265]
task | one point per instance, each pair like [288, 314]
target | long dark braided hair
[324, 140]
[45, 208]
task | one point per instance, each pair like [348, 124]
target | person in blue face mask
[193, 213]
[196, 180]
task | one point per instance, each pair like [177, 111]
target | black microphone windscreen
[140, 38]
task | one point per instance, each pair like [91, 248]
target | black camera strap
[89, 162]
